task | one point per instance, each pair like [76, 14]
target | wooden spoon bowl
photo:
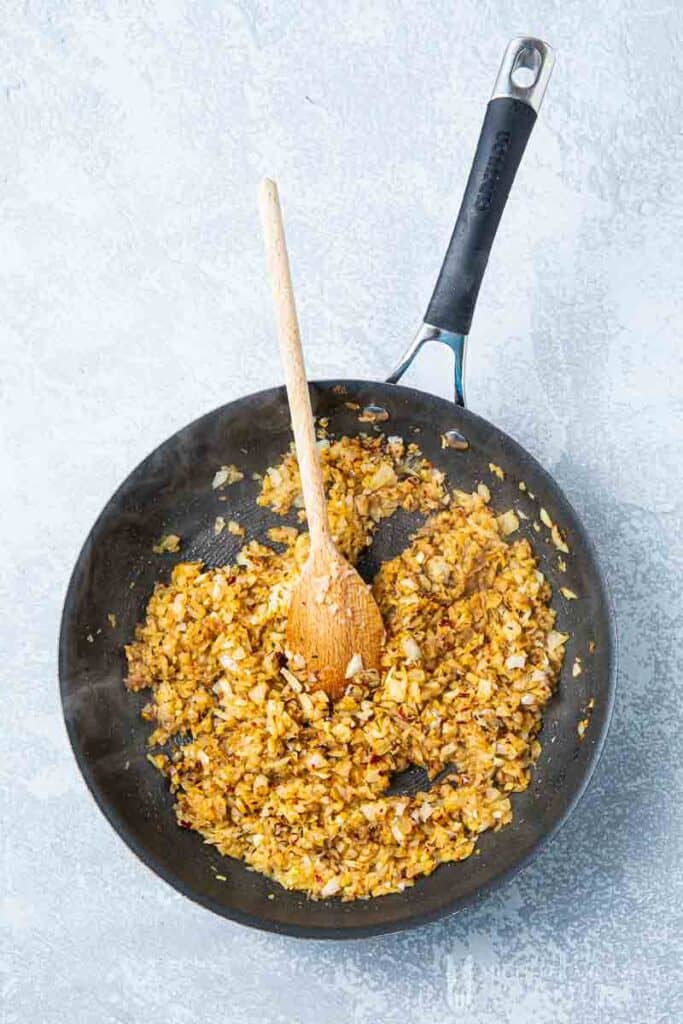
[334, 622]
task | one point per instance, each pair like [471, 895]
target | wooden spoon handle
[293, 361]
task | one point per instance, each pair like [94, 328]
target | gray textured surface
[133, 299]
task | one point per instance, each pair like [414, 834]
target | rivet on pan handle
[510, 117]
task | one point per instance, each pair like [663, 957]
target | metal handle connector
[525, 71]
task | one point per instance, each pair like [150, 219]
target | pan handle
[510, 117]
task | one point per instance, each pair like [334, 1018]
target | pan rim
[364, 930]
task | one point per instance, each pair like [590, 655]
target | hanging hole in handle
[526, 68]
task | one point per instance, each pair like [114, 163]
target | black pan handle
[510, 116]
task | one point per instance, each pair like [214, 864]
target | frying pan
[171, 491]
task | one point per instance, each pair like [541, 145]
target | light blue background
[133, 299]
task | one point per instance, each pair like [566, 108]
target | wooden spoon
[334, 622]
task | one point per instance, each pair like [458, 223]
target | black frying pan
[171, 490]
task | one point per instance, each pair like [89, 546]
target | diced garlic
[411, 649]
[484, 689]
[220, 478]
[397, 833]
[354, 666]
[558, 540]
[291, 679]
[437, 569]
[556, 640]
[382, 477]
[515, 661]
[258, 693]
[508, 522]
[330, 888]
[396, 688]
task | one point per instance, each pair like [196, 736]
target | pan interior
[171, 492]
